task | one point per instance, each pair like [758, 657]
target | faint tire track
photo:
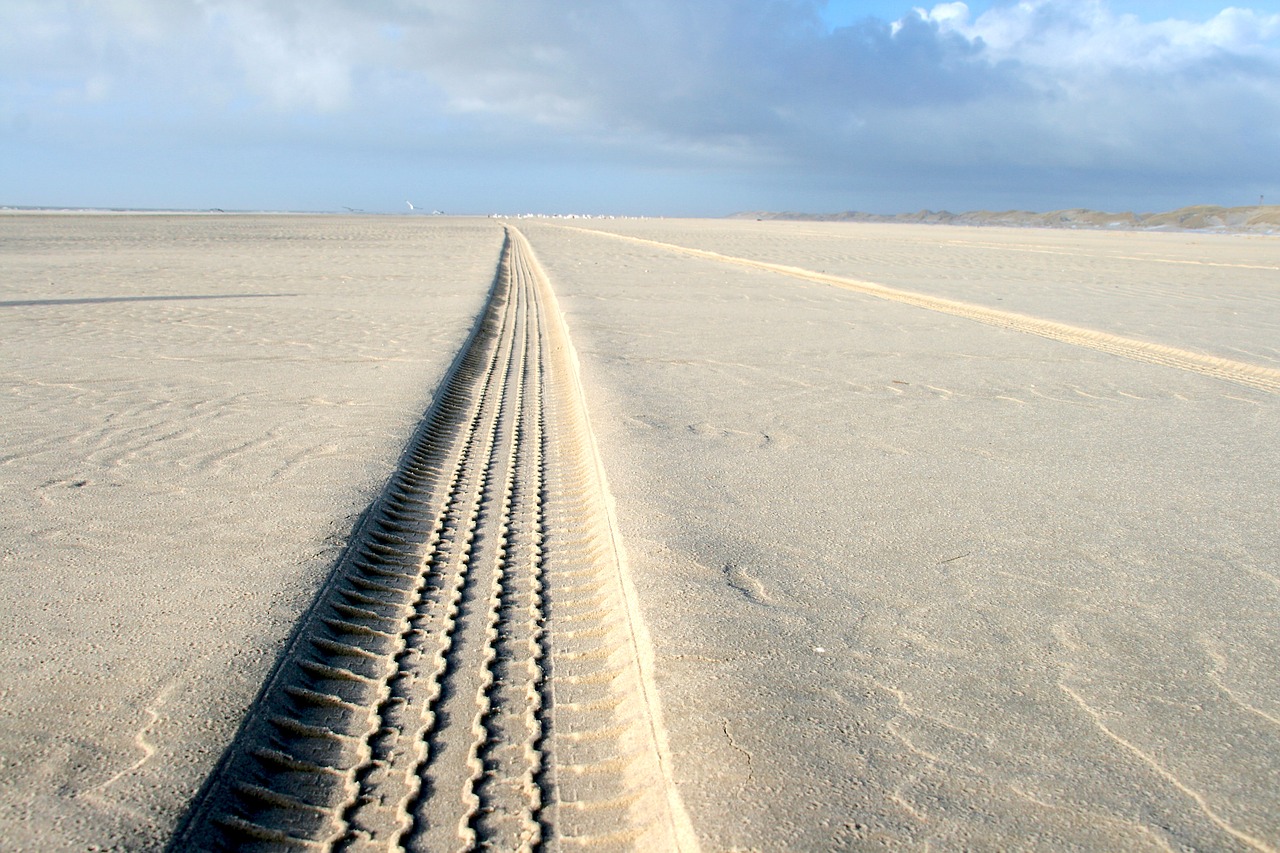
[1243, 373]
[474, 672]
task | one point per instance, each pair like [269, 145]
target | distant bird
[411, 207]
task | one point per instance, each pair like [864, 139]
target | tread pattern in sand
[471, 675]
[1243, 373]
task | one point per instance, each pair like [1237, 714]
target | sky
[639, 107]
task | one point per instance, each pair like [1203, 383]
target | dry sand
[1259, 219]
[911, 576]
[916, 579]
[195, 410]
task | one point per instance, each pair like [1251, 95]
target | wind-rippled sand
[195, 410]
[916, 579]
[912, 575]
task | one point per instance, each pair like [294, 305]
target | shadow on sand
[98, 300]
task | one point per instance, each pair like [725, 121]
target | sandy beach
[914, 535]
[914, 579]
[196, 411]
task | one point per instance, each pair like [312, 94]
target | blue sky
[659, 107]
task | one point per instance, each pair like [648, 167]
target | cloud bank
[1037, 103]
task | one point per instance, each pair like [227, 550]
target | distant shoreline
[1257, 219]
[174, 211]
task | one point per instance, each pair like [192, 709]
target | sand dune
[1261, 219]
[907, 538]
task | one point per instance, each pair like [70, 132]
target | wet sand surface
[910, 578]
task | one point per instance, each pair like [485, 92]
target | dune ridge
[1255, 219]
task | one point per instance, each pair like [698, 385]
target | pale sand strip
[1252, 375]
[1039, 250]
[682, 835]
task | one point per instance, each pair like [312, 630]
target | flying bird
[411, 207]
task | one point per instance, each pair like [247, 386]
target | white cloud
[948, 16]
[295, 61]
[1086, 34]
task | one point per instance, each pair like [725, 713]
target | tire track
[1243, 373]
[474, 672]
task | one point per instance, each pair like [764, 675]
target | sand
[915, 579]
[195, 411]
[475, 671]
[1254, 219]
[910, 577]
